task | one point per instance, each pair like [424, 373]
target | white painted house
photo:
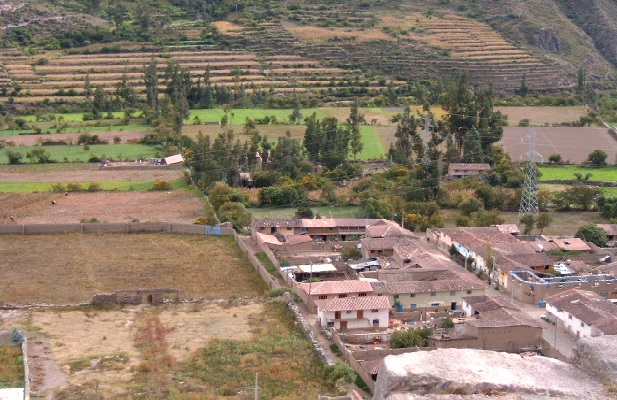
[354, 312]
[583, 313]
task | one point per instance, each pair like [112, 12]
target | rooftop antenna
[529, 197]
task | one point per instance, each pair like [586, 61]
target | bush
[593, 234]
[14, 157]
[410, 338]
[596, 158]
[16, 336]
[280, 291]
[160, 184]
[350, 253]
[94, 187]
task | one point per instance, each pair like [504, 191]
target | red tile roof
[354, 303]
[337, 287]
[589, 307]
[572, 244]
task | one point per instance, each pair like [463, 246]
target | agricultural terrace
[566, 172]
[540, 115]
[64, 76]
[574, 144]
[72, 268]
[77, 153]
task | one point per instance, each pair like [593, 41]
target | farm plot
[67, 153]
[573, 144]
[204, 350]
[71, 268]
[567, 173]
[540, 116]
[36, 208]
[33, 140]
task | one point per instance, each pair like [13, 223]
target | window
[396, 296]
[453, 293]
[569, 316]
[348, 312]
[330, 324]
[362, 294]
[412, 295]
[342, 295]
[323, 297]
[375, 310]
[469, 291]
[433, 294]
[434, 304]
[413, 306]
[582, 324]
[376, 322]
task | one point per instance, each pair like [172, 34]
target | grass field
[77, 129]
[72, 268]
[567, 172]
[11, 366]
[130, 152]
[122, 186]
[373, 147]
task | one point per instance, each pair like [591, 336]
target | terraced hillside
[318, 46]
[63, 77]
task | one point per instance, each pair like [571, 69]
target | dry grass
[228, 28]
[82, 339]
[11, 366]
[72, 268]
[318, 35]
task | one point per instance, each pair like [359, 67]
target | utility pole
[257, 386]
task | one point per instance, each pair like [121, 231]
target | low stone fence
[128, 227]
[265, 275]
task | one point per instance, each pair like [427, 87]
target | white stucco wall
[352, 318]
[573, 324]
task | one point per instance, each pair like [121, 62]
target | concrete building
[442, 294]
[354, 313]
[327, 290]
[583, 313]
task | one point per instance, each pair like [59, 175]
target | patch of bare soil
[97, 347]
[33, 140]
[92, 174]
[37, 208]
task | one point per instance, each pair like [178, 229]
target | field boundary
[128, 227]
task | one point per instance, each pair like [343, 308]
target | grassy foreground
[566, 172]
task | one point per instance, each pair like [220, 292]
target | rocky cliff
[465, 372]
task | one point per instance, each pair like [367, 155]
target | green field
[373, 148]
[69, 117]
[566, 172]
[121, 186]
[130, 152]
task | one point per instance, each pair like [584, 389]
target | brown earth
[84, 347]
[37, 208]
[33, 140]
[90, 173]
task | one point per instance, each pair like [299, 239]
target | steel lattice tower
[529, 197]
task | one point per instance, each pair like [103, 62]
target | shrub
[280, 291]
[160, 184]
[410, 338]
[596, 158]
[447, 323]
[94, 187]
[16, 336]
[58, 188]
[350, 253]
[593, 234]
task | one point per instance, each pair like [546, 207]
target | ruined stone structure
[138, 296]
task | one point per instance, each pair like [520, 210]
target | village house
[583, 313]
[441, 294]
[354, 313]
[572, 244]
[311, 292]
[325, 230]
[461, 170]
[494, 324]
[610, 230]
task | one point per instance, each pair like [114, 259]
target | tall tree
[335, 145]
[287, 155]
[472, 147]
[401, 151]
[312, 137]
[354, 121]
[151, 81]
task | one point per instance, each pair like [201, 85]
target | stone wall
[137, 296]
[127, 227]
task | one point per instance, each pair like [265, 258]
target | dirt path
[45, 375]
